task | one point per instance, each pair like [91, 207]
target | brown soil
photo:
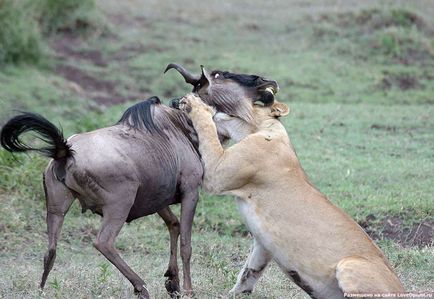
[83, 79]
[402, 81]
[383, 128]
[419, 234]
[90, 55]
[66, 46]
[252, 27]
[68, 49]
[130, 51]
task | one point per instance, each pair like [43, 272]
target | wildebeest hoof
[172, 287]
[188, 294]
[142, 294]
[247, 292]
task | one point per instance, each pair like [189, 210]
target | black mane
[140, 115]
[154, 117]
[242, 79]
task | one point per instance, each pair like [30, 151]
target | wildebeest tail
[57, 147]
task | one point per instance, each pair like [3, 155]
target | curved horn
[189, 78]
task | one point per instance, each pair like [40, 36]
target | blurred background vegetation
[25, 25]
[358, 76]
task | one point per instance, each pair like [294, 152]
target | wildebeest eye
[216, 75]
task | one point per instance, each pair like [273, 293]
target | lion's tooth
[270, 89]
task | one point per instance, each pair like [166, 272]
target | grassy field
[358, 76]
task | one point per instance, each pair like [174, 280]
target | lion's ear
[279, 109]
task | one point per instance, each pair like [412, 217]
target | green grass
[361, 120]
[24, 26]
[67, 15]
[20, 38]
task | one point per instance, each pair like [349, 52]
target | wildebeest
[140, 166]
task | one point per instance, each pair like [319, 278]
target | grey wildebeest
[140, 166]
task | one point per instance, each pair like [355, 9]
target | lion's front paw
[192, 102]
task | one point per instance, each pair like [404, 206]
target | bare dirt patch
[252, 27]
[67, 46]
[101, 91]
[402, 81]
[419, 234]
[383, 128]
[83, 79]
[69, 49]
[131, 50]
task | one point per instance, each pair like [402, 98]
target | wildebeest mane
[152, 116]
[139, 116]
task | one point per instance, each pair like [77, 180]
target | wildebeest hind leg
[58, 200]
[114, 215]
[188, 208]
[172, 273]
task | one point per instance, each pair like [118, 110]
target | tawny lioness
[315, 243]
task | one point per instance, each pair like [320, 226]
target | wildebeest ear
[205, 81]
[279, 109]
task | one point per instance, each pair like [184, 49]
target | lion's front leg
[226, 170]
[209, 144]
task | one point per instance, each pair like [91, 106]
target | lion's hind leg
[357, 275]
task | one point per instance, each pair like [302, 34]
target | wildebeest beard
[229, 102]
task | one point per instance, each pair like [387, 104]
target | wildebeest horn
[189, 78]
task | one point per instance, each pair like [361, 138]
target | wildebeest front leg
[58, 200]
[114, 217]
[188, 208]
[253, 268]
[172, 273]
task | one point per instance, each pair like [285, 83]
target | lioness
[315, 243]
